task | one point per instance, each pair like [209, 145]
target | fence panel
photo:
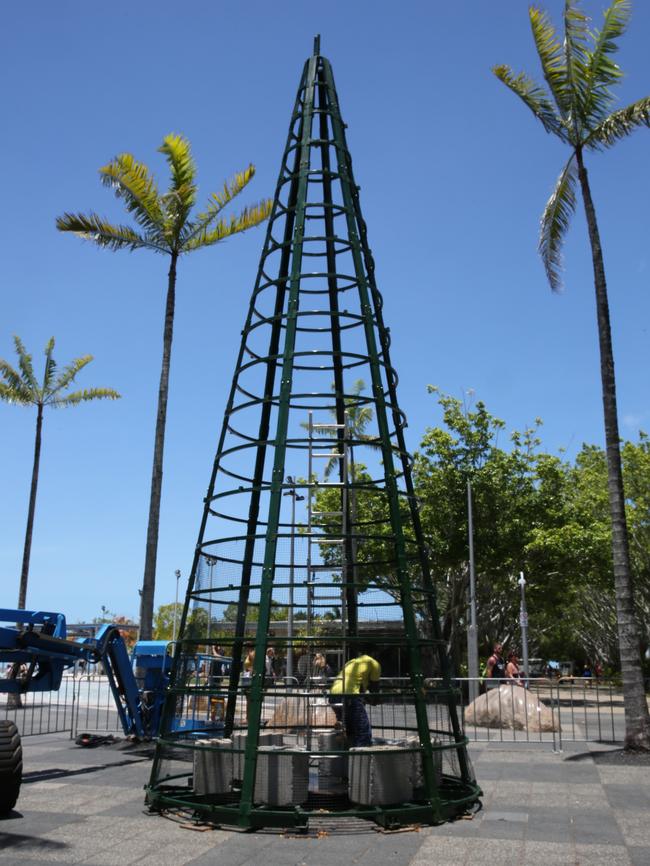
[41, 712]
[581, 710]
[586, 710]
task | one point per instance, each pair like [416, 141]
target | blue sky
[454, 174]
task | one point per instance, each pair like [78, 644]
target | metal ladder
[317, 521]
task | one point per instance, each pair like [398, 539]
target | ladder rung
[328, 426]
[327, 514]
[315, 568]
[333, 454]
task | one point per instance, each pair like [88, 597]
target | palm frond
[248, 218]
[619, 124]
[25, 364]
[10, 395]
[68, 375]
[84, 396]
[14, 389]
[551, 55]
[534, 96]
[50, 366]
[91, 227]
[132, 182]
[601, 71]
[576, 34]
[180, 199]
[555, 222]
[218, 201]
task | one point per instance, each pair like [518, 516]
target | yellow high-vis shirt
[356, 676]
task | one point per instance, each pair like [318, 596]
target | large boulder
[303, 712]
[511, 706]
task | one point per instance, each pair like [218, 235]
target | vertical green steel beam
[277, 477]
[351, 627]
[347, 182]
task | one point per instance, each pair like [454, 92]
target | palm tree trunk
[149, 579]
[24, 572]
[637, 721]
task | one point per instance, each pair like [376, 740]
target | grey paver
[639, 856]
[86, 808]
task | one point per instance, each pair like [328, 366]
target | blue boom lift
[38, 651]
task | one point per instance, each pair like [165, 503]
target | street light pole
[178, 577]
[211, 562]
[523, 622]
[292, 561]
[472, 630]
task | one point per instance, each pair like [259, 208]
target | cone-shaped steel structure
[310, 584]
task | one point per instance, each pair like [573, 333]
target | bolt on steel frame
[314, 329]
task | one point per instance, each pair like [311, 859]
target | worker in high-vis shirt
[360, 675]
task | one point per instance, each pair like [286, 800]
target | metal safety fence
[40, 712]
[537, 710]
[553, 711]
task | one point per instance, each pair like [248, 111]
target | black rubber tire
[11, 766]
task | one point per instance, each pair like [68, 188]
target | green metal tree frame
[316, 128]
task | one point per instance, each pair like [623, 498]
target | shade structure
[310, 676]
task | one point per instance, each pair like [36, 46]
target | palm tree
[358, 418]
[164, 224]
[579, 72]
[21, 387]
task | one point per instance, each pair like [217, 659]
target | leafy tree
[197, 624]
[515, 489]
[521, 501]
[279, 613]
[22, 387]
[163, 621]
[164, 224]
[579, 72]
[583, 543]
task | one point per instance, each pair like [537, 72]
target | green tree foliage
[582, 546]
[164, 223]
[163, 621]
[533, 512]
[278, 613]
[22, 388]
[575, 106]
[515, 489]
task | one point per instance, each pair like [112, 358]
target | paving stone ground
[80, 806]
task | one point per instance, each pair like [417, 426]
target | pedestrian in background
[496, 667]
[512, 669]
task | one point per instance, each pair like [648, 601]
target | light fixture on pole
[178, 577]
[292, 561]
[523, 622]
[210, 562]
